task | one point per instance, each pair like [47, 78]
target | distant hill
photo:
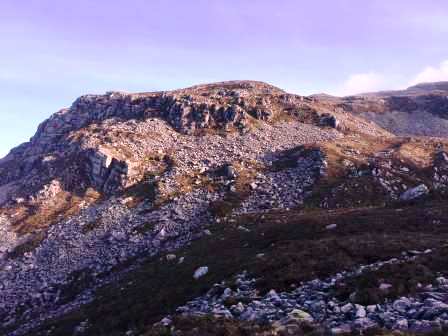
[419, 89]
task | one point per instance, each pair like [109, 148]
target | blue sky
[55, 51]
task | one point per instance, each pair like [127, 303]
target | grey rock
[166, 321]
[415, 193]
[347, 308]
[230, 172]
[402, 305]
[200, 272]
[401, 324]
[341, 330]
[360, 311]
[328, 121]
[364, 324]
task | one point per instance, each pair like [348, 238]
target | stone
[170, 257]
[415, 193]
[385, 287]
[347, 308]
[107, 173]
[331, 226]
[424, 327]
[222, 312]
[371, 308]
[433, 308]
[442, 281]
[248, 315]
[242, 228]
[238, 309]
[401, 324]
[360, 311]
[166, 321]
[441, 157]
[364, 324]
[227, 292]
[230, 172]
[272, 293]
[402, 305]
[341, 330]
[327, 120]
[118, 236]
[200, 272]
[301, 315]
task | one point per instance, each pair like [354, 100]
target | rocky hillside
[419, 110]
[226, 209]
[416, 90]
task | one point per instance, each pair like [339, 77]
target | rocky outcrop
[421, 110]
[185, 110]
[107, 174]
[328, 120]
[186, 115]
[422, 115]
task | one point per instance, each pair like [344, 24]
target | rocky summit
[232, 208]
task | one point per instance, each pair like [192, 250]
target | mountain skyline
[342, 47]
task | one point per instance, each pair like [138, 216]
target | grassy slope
[296, 248]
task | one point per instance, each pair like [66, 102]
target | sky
[52, 51]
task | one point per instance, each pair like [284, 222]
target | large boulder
[328, 120]
[106, 173]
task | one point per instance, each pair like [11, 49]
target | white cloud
[361, 83]
[432, 74]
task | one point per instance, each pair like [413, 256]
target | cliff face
[118, 179]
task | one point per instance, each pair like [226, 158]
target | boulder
[402, 305]
[441, 158]
[106, 173]
[360, 312]
[415, 193]
[300, 315]
[230, 172]
[401, 324]
[170, 257]
[341, 330]
[328, 120]
[200, 272]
